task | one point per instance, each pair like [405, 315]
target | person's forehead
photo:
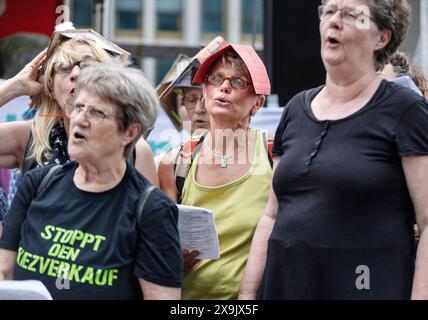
[193, 91]
[228, 69]
[90, 98]
[347, 3]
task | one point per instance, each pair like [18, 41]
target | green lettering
[54, 250]
[112, 275]
[53, 268]
[98, 242]
[63, 252]
[74, 272]
[74, 253]
[98, 280]
[48, 234]
[59, 232]
[77, 235]
[24, 260]
[44, 263]
[67, 236]
[88, 238]
[33, 263]
[88, 276]
[18, 258]
[63, 270]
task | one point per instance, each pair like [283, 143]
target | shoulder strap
[28, 162]
[183, 162]
[142, 202]
[268, 143]
[46, 179]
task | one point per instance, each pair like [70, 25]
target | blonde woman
[43, 141]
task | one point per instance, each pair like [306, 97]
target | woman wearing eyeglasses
[230, 174]
[83, 233]
[43, 141]
[350, 172]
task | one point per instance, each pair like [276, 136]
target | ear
[131, 134]
[383, 39]
[259, 103]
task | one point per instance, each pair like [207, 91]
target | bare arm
[13, 141]
[257, 258]
[26, 82]
[7, 264]
[416, 171]
[152, 291]
[144, 161]
[166, 174]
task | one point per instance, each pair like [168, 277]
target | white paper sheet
[197, 231]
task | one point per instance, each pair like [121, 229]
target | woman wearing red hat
[230, 175]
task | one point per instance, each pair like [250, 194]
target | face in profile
[66, 74]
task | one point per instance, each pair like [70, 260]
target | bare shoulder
[166, 174]
[169, 158]
[144, 161]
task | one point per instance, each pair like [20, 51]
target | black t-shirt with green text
[85, 245]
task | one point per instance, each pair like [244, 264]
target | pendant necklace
[224, 158]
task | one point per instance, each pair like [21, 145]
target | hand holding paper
[197, 231]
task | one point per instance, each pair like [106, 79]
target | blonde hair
[45, 102]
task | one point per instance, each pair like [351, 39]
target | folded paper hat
[86, 35]
[254, 64]
[168, 101]
[180, 75]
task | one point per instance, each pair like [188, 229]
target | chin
[76, 153]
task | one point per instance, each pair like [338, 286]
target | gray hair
[127, 88]
[392, 15]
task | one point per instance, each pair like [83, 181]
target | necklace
[224, 158]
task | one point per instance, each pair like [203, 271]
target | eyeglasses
[218, 79]
[348, 15]
[95, 116]
[191, 100]
[66, 68]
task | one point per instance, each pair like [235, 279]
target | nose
[226, 86]
[74, 73]
[80, 118]
[200, 106]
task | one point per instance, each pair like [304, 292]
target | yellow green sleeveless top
[237, 207]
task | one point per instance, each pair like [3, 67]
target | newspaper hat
[180, 75]
[168, 101]
[255, 66]
[87, 35]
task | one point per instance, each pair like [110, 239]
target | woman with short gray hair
[128, 89]
[350, 172]
[96, 222]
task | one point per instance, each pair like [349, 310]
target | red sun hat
[254, 64]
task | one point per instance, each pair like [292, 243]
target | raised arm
[416, 171]
[145, 162]
[14, 136]
[25, 83]
[257, 259]
[152, 291]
